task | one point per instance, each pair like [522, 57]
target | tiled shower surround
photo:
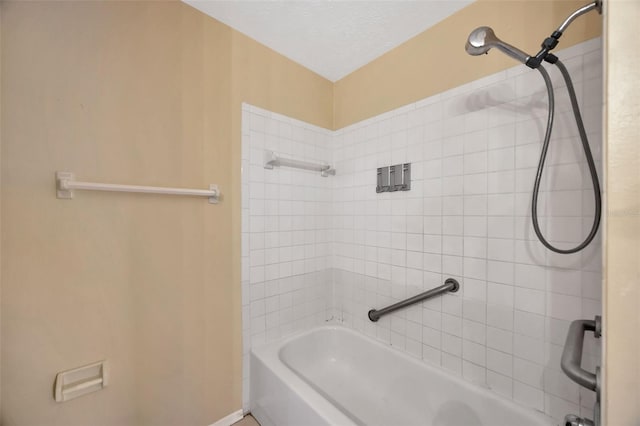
[319, 250]
[286, 231]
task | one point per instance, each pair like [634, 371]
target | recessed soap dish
[80, 381]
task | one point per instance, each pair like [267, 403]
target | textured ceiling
[332, 38]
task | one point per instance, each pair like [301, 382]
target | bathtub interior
[375, 385]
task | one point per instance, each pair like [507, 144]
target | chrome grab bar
[450, 285]
[572, 354]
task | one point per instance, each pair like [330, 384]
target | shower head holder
[552, 41]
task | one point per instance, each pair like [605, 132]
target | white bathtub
[335, 376]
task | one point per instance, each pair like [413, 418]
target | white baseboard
[236, 416]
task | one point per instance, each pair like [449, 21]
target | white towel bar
[66, 184]
[271, 160]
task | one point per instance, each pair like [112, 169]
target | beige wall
[128, 92]
[270, 81]
[435, 60]
[0, 214]
[622, 278]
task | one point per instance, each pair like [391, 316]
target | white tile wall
[286, 231]
[474, 150]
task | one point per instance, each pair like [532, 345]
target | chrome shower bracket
[551, 42]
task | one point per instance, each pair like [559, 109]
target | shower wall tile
[286, 231]
[474, 152]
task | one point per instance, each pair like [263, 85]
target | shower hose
[543, 155]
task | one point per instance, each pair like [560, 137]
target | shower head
[483, 38]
